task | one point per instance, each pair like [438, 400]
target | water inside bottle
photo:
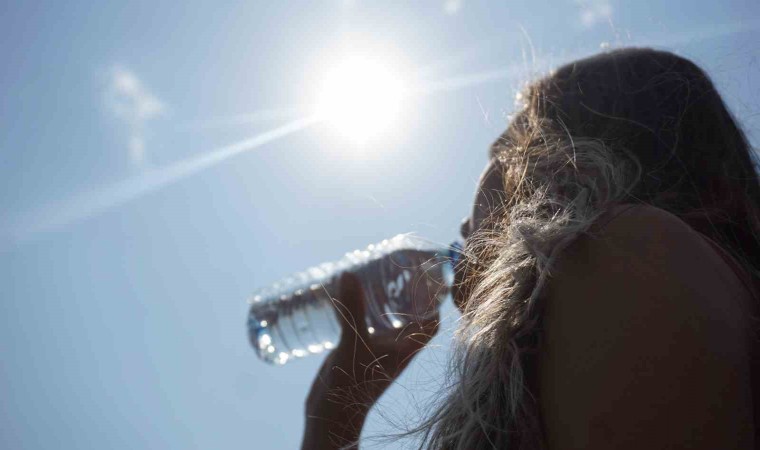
[293, 325]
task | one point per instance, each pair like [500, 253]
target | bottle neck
[455, 252]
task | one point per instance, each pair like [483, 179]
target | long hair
[630, 126]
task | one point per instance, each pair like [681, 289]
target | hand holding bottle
[359, 369]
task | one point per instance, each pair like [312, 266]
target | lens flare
[361, 97]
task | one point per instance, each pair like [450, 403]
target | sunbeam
[91, 203]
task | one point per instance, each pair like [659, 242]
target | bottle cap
[455, 252]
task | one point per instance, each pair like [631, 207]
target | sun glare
[360, 98]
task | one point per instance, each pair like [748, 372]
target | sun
[361, 97]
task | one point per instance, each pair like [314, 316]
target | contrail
[692, 37]
[469, 80]
[93, 202]
[519, 70]
[261, 116]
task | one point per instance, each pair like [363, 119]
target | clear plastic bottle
[404, 279]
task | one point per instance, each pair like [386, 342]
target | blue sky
[135, 223]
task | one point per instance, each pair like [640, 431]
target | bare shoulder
[642, 242]
[644, 343]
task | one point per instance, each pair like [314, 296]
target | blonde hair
[557, 185]
[553, 199]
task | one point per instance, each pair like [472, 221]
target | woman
[609, 283]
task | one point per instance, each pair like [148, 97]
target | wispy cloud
[129, 100]
[452, 7]
[592, 12]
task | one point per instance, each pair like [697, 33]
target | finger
[351, 306]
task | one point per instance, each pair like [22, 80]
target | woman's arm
[338, 403]
[645, 342]
[357, 372]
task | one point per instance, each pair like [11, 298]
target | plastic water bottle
[404, 279]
